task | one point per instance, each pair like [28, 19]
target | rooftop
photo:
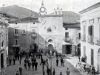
[90, 8]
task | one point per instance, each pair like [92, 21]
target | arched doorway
[99, 60]
[50, 47]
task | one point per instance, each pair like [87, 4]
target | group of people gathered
[34, 62]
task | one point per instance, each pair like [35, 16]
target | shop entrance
[68, 49]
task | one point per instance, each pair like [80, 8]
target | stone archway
[98, 61]
[50, 47]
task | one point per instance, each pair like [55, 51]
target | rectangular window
[79, 35]
[16, 42]
[16, 31]
[66, 34]
[2, 43]
[90, 30]
[91, 34]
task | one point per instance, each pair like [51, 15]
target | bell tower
[42, 10]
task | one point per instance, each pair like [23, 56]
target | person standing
[14, 60]
[20, 70]
[93, 70]
[10, 61]
[79, 58]
[33, 64]
[43, 72]
[47, 70]
[53, 71]
[25, 66]
[36, 64]
[68, 71]
[60, 73]
[57, 61]
[29, 64]
[17, 73]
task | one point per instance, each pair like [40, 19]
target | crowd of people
[33, 62]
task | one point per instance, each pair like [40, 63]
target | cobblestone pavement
[11, 70]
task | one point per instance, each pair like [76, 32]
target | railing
[97, 41]
[67, 39]
[84, 38]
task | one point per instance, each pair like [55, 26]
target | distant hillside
[19, 12]
[70, 17]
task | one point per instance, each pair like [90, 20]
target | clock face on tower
[42, 9]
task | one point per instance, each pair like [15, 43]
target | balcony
[90, 39]
[16, 35]
[16, 45]
[84, 38]
[68, 40]
[97, 41]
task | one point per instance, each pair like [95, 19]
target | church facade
[48, 30]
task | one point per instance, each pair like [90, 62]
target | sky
[66, 5]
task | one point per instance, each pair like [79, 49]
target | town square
[49, 37]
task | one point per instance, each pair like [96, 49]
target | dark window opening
[2, 43]
[79, 35]
[16, 42]
[90, 30]
[16, 31]
[66, 34]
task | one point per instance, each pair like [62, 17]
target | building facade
[72, 33]
[72, 39]
[48, 29]
[21, 35]
[90, 35]
[3, 41]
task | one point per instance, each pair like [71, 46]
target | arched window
[50, 40]
[49, 30]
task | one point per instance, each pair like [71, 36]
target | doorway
[50, 47]
[78, 50]
[2, 60]
[92, 57]
[68, 49]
